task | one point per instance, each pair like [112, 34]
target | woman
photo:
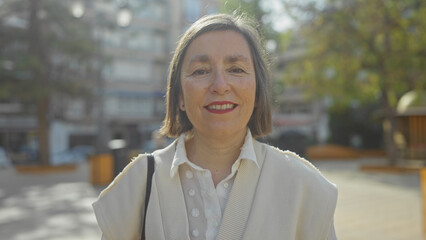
[216, 181]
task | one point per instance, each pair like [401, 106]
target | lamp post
[123, 18]
[124, 15]
[77, 9]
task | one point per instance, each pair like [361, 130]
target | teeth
[221, 107]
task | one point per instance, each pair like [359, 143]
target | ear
[181, 103]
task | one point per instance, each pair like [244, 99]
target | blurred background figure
[4, 160]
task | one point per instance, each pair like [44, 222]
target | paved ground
[47, 207]
[58, 206]
[375, 205]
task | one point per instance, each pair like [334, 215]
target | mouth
[221, 107]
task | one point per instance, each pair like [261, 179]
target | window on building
[158, 11]
[141, 40]
[153, 10]
[193, 10]
[126, 70]
[130, 106]
[159, 42]
[160, 71]
[110, 37]
[75, 108]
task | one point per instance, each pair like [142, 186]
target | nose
[219, 83]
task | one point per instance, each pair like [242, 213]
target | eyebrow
[237, 58]
[230, 59]
[199, 58]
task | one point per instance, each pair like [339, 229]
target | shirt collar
[247, 152]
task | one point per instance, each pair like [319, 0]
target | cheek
[248, 88]
[191, 92]
[186, 90]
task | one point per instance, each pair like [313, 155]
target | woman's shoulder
[135, 171]
[289, 169]
[116, 206]
[284, 161]
[132, 173]
[287, 156]
[114, 209]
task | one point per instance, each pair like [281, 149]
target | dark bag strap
[150, 172]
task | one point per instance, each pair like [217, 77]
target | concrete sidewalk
[58, 206]
[47, 207]
[377, 206]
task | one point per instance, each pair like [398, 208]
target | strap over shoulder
[150, 172]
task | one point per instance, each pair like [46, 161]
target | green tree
[363, 50]
[44, 52]
[256, 10]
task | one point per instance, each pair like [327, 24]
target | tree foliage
[66, 50]
[254, 9]
[44, 53]
[363, 51]
[359, 49]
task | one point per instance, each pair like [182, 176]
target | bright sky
[280, 20]
[279, 17]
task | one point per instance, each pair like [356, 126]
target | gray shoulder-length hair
[176, 121]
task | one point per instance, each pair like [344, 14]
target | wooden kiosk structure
[411, 112]
[411, 117]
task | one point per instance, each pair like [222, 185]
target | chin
[226, 131]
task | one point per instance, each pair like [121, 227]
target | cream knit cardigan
[286, 198]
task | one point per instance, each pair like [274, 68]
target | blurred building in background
[298, 121]
[135, 40]
[297, 113]
[134, 72]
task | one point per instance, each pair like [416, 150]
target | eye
[236, 70]
[199, 72]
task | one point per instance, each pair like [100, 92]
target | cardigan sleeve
[332, 233]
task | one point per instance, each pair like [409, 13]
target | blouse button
[195, 212]
[189, 174]
[191, 192]
[226, 185]
[195, 233]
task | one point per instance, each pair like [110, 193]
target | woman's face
[218, 83]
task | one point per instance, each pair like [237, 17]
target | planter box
[101, 169]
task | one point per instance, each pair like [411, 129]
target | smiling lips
[220, 107]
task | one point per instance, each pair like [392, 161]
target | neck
[216, 155]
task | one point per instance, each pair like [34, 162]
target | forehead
[227, 44]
